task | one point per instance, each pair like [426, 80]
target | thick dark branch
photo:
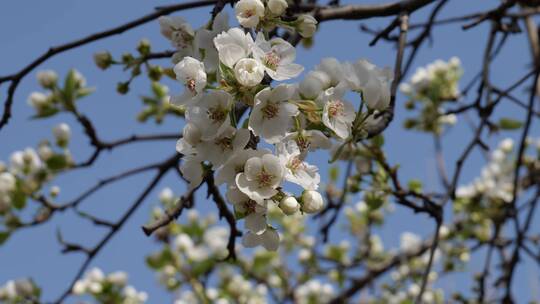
[355, 12]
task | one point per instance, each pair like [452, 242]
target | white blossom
[269, 239]
[309, 140]
[261, 176]
[289, 205]
[277, 57]
[204, 40]
[272, 115]
[248, 72]
[47, 78]
[374, 83]
[218, 150]
[249, 12]
[177, 30]
[62, 132]
[234, 165]
[38, 100]
[296, 170]
[312, 201]
[232, 46]
[307, 25]
[338, 114]
[210, 115]
[277, 7]
[190, 72]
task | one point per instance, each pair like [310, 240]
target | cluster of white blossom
[19, 291]
[111, 288]
[29, 169]
[437, 81]
[57, 99]
[430, 87]
[314, 291]
[294, 119]
[496, 179]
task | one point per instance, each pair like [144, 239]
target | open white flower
[255, 220]
[177, 30]
[374, 83]
[235, 164]
[192, 171]
[261, 177]
[273, 115]
[190, 72]
[327, 74]
[277, 56]
[248, 72]
[309, 140]
[314, 84]
[269, 239]
[296, 170]
[204, 40]
[232, 46]
[211, 114]
[338, 114]
[249, 12]
[218, 150]
[409, 242]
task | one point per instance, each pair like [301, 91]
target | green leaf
[4, 235]
[378, 140]
[510, 124]
[19, 200]
[57, 162]
[159, 259]
[373, 201]
[84, 92]
[70, 86]
[46, 112]
[415, 185]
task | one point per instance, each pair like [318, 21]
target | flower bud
[144, 47]
[79, 287]
[166, 195]
[118, 278]
[62, 133]
[277, 7]
[38, 100]
[307, 26]
[47, 78]
[191, 134]
[7, 182]
[103, 59]
[248, 72]
[45, 152]
[289, 205]
[54, 191]
[312, 201]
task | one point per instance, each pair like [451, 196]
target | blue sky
[28, 28]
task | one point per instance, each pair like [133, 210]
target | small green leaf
[415, 185]
[510, 124]
[4, 235]
[373, 201]
[378, 140]
[57, 162]
[19, 200]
